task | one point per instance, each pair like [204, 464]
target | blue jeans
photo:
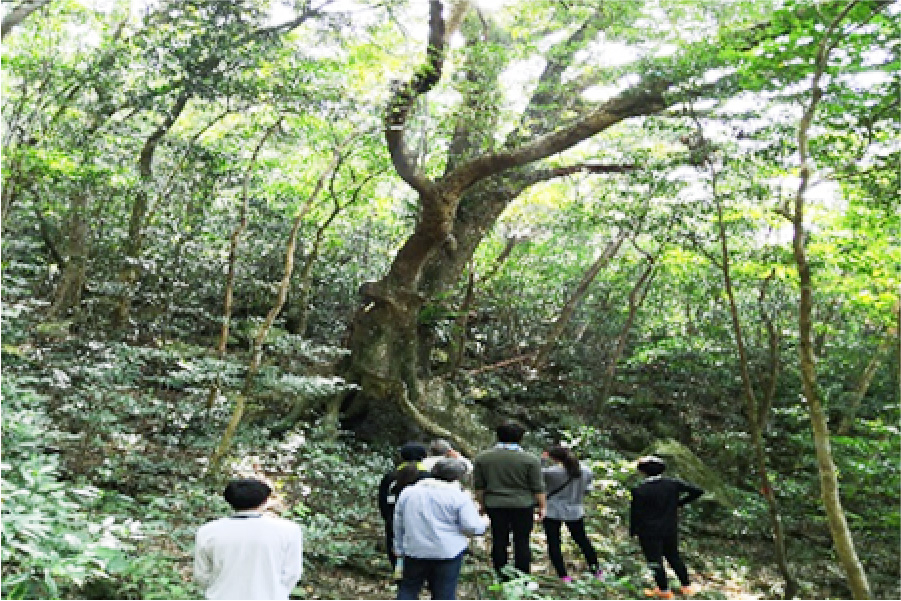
[441, 574]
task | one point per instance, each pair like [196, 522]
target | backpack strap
[559, 488]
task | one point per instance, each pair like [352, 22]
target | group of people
[429, 517]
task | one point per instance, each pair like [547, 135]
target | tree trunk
[457, 210]
[860, 390]
[829, 489]
[68, 292]
[773, 363]
[636, 298]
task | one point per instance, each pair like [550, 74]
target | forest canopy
[285, 236]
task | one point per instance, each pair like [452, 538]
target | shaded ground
[369, 578]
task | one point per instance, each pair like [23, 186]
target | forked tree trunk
[134, 244]
[849, 415]
[458, 209]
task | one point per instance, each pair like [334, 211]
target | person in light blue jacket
[432, 520]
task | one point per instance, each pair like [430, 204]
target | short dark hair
[413, 451]
[510, 432]
[246, 493]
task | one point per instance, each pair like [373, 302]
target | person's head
[510, 432]
[449, 470]
[413, 451]
[651, 465]
[439, 447]
[246, 493]
[565, 456]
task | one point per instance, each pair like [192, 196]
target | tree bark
[636, 299]
[235, 240]
[849, 414]
[256, 351]
[19, 14]
[752, 407]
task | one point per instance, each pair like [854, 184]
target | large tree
[482, 173]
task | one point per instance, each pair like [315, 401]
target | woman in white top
[566, 482]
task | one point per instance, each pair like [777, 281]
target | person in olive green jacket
[510, 488]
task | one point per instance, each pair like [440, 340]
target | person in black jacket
[654, 519]
[409, 471]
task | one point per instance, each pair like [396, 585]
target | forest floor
[370, 578]
[352, 564]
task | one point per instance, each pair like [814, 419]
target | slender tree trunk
[636, 299]
[829, 488]
[575, 299]
[773, 363]
[256, 352]
[133, 246]
[235, 240]
[230, 277]
[752, 408]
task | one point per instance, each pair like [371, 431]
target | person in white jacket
[248, 555]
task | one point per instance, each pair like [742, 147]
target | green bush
[60, 539]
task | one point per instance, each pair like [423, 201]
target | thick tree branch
[647, 100]
[19, 14]
[405, 95]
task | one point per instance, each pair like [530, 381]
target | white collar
[246, 513]
[436, 483]
[512, 446]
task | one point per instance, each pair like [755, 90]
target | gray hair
[449, 470]
[439, 446]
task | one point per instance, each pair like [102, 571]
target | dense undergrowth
[105, 447]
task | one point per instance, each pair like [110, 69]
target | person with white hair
[442, 449]
[432, 520]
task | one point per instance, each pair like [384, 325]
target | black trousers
[389, 541]
[504, 522]
[655, 548]
[576, 528]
